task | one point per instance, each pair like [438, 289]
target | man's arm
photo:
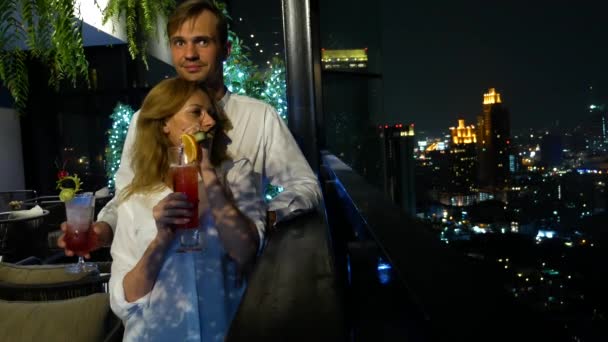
[229, 203]
[124, 175]
[108, 217]
[286, 166]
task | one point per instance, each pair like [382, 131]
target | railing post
[300, 24]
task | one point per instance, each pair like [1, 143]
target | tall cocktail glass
[184, 173]
[79, 235]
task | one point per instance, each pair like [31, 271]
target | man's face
[196, 50]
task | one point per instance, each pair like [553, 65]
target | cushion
[77, 319]
[36, 274]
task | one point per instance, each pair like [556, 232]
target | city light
[491, 97]
[463, 134]
[384, 271]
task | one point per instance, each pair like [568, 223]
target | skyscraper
[463, 158]
[398, 154]
[597, 128]
[493, 139]
[352, 59]
[596, 124]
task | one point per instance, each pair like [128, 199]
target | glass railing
[402, 282]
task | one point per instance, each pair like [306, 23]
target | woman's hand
[205, 147]
[171, 211]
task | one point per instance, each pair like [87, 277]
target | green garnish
[69, 186]
[199, 136]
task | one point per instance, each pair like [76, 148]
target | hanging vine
[141, 17]
[47, 30]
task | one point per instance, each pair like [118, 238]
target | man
[198, 38]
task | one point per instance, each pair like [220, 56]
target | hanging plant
[240, 73]
[141, 18]
[47, 30]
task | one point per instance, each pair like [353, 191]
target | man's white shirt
[259, 135]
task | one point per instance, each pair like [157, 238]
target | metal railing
[421, 289]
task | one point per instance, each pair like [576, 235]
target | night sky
[540, 55]
[437, 58]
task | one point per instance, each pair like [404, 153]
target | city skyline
[437, 60]
[541, 58]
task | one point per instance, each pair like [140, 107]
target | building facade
[463, 158]
[398, 165]
[493, 142]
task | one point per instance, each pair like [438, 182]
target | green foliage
[10, 29]
[51, 33]
[275, 92]
[142, 18]
[121, 118]
[13, 72]
[66, 39]
[271, 191]
[241, 76]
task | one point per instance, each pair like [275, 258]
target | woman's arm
[140, 280]
[170, 211]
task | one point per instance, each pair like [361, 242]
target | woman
[159, 293]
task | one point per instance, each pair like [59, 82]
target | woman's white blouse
[196, 294]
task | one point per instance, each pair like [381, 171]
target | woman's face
[192, 117]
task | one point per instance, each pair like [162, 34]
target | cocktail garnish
[69, 186]
[190, 147]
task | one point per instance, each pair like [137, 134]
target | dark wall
[65, 124]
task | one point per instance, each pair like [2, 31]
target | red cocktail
[79, 235]
[184, 171]
[80, 240]
[185, 180]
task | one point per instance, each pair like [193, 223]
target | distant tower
[597, 128]
[398, 154]
[493, 139]
[463, 158]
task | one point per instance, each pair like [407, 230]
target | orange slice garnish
[190, 147]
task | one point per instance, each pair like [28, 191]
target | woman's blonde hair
[150, 157]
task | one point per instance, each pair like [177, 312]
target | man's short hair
[190, 9]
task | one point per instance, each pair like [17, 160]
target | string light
[121, 118]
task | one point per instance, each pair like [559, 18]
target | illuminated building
[493, 139]
[463, 134]
[344, 59]
[398, 153]
[463, 158]
[597, 128]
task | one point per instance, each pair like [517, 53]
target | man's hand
[103, 237]
[205, 150]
